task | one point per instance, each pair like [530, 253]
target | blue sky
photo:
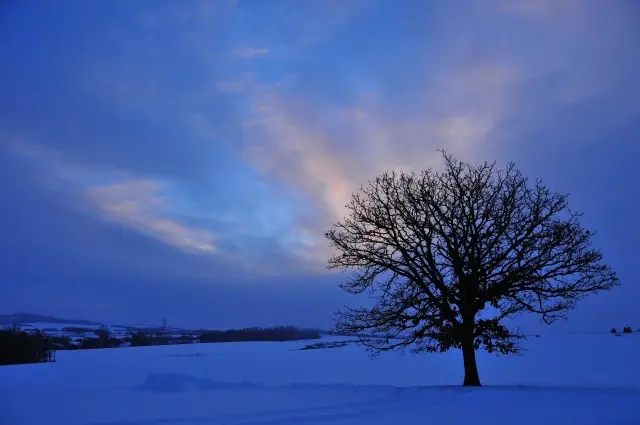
[183, 158]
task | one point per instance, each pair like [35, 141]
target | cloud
[317, 118]
[480, 97]
[141, 204]
[329, 159]
[251, 52]
[154, 149]
[255, 235]
[137, 204]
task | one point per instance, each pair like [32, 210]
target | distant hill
[17, 318]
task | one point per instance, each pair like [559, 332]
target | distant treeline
[18, 346]
[280, 333]
[75, 329]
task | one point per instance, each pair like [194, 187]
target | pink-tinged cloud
[481, 85]
[139, 204]
[156, 155]
[328, 107]
[330, 160]
[142, 205]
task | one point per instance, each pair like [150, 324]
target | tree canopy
[446, 256]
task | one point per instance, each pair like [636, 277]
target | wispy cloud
[478, 102]
[327, 107]
[256, 234]
[251, 52]
[139, 204]
[217, 140]
[329, 159]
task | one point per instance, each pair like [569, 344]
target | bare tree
[446, 256]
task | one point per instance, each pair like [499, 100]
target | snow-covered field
[570, 379]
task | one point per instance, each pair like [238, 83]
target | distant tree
[60, 342]
[278, 333]
[103, 334]
[434, 250]
[186, 339]
[103, 339]
[18, 346]
[627, 330]
[139, 339]
[614, 331]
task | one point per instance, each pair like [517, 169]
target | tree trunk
[471, 377]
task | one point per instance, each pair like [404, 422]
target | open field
[570, 379]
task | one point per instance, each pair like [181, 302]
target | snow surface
[570, 379]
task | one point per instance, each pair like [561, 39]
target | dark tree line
[446, 256]
[280, 333]
[19, 347]
[142, 339]
[104, 339]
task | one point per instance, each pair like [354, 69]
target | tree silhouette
[446, 256]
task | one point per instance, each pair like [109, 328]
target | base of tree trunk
[471, 377]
